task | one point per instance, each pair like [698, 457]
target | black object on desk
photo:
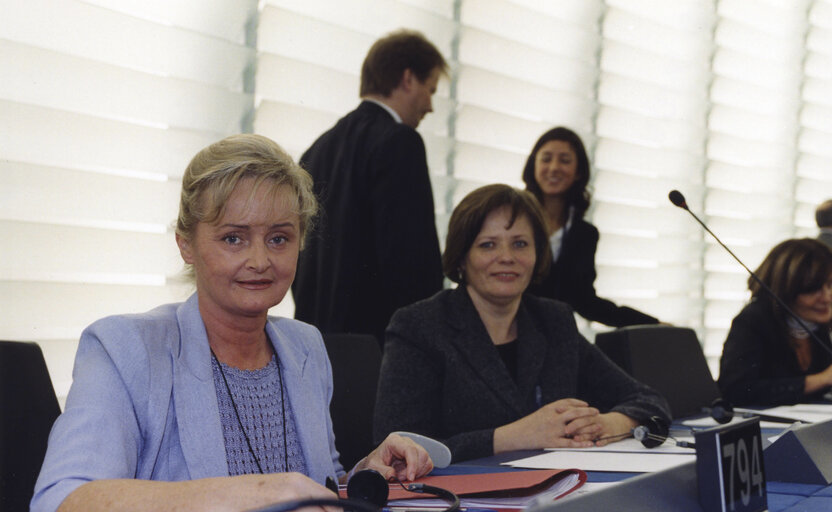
[666, 358]
[729, 467]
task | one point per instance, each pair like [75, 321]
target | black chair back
[356, 361]
[666, 358]
[28, 408]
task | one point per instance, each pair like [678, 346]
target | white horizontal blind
[104, 102]
[524, 67]
[752, 148]
[726, 100]
[814, 144]
[651, 131]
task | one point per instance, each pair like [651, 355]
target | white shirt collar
[386, 107]
[556, 240]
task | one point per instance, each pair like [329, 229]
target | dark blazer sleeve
[755, 363]
[572, 280]
[592, 376]
[407, 246]
[603, 384]
[417, 393]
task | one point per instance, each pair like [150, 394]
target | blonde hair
[215, 171]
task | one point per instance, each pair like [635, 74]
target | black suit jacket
[758, 367]
[571, 279]
[441, 375]
[375, 247]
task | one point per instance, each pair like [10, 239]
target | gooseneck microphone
[678, 199]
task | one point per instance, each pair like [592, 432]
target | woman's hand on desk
[551, 426]
[608, 427]
[397, 457]
[818, 381]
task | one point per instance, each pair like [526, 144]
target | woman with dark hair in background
[557, 173]
[487, 368]
[768, 357]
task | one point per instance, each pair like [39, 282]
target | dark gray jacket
[442, 376]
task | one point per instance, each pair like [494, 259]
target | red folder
[485, 485]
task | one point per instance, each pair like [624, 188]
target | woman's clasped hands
[565, 423]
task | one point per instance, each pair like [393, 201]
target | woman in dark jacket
[557, 173]
[769, 358]
[488, 369]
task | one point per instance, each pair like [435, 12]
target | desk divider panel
[672, 489]
[802, 455]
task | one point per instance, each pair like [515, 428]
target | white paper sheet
[817, 408]
[557, 489]
[814, 413]
[631, 445]
[806, 412]
[588, 460]
[708, 422]
[589, 487]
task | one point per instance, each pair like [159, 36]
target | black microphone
[678, 199]
[723, 412]
[653, 432]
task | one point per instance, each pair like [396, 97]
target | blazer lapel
[473, 341]
[195, 398]
[310, 422]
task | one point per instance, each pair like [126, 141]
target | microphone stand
[678, 199]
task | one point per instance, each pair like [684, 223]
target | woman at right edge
[557, 173]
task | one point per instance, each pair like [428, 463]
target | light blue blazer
[143, 405]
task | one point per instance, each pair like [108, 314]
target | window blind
[725, 100]
[105, 103]
[752, 147]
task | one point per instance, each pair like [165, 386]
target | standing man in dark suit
[375, 248]
[823, 216]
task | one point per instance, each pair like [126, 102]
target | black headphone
[723, 412]
[655, 431]
[367, 491]
[652, 432]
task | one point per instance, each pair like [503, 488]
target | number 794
[745, 473]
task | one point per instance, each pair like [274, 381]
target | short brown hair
[793, 267]
[387, 59]
[469, 215]
[823, 214]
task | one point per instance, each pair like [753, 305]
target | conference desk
[781, 496]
